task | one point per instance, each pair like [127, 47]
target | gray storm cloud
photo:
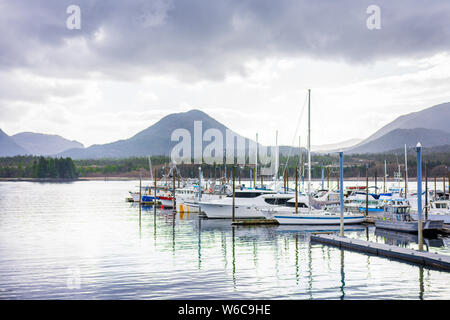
[199, 39]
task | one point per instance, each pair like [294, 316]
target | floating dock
[434, 260]
[243, 222]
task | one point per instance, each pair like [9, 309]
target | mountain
[396, 139]
[8, 147]
[44, 144]
[155, 140]
[335, 147]
[436, 117]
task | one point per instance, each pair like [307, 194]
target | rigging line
[295, 133]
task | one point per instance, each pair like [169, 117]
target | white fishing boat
[356, 203]
[397, 217]
[437, 210]
[147, 195]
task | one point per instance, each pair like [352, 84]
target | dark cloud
[196, 39]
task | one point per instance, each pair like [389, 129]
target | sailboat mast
[150, 167]
[406, 174]
[300, 155]
[309, 149]
[276, 160]
[256, 160]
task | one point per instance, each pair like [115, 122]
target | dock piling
[234, 190]
[367, 190]
[296, 190]
[322, 177]
[434, 188]
[419, 194]
[376, 176]
[341, 190]
[443, 185]
[173, 191]
[154, 201]
[426, 190]
[140, 190]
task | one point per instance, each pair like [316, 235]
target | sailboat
[302, 212]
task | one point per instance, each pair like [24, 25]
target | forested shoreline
[354, 166]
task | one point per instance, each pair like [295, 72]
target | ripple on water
[81, 240]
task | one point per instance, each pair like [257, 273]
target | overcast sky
[246, 63]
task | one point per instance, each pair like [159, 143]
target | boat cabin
[440, 204]
[397, 210]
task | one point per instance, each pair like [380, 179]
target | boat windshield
[397, 210]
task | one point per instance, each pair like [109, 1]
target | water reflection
[127, 251]
[342, 276]
[403, 239]
[199, 243]
[279, 238]
[233, 251]
[421, 287]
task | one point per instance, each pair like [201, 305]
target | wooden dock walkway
[434, 260]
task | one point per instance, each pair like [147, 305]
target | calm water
[81, 240]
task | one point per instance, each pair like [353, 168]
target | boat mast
[256, 160]
[276, 160]
[150, 167]
[309, 150]
[300, 155]
[406, 174]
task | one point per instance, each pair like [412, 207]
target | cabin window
[300, 204]
[245, 194]
[276, 201]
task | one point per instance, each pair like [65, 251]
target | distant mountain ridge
[432, 130]
[9, 148]
[422, 125]
[44, 144]
[436, 117]
[30, 143]
[397, 138]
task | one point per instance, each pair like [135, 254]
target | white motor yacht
[247, 203]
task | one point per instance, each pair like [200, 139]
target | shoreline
[371, 181]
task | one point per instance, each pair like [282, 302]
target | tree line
[437, 165]
[38, 167]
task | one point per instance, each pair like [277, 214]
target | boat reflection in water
[270, 253]
[403, 239]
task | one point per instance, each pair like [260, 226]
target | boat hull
[166, 202]
[224, 211]
[435, 217]
[316, 219]
[404, 226]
